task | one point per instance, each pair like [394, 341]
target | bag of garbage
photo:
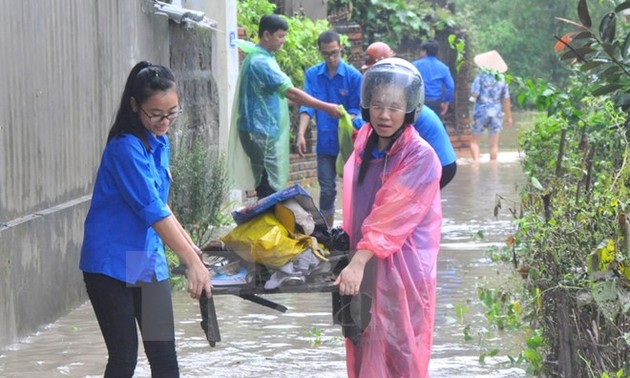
[264, 240]
[346, 144]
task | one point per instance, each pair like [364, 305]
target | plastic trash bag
[264, 240]
[346, 145]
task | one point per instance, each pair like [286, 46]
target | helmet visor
[395, 86]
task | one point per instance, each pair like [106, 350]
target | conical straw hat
[491, 60]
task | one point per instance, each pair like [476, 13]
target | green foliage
[395, 21]
[200, 187]
[316, 333]
[503, 313]
[618, 374]
[459, 45]
[569, 236]
[198, 193]
[531, 357]
[318, 338]
[602, 52]
[522, 31]
[248, 15]
[300, 50]
[176, 282]
[502, 310]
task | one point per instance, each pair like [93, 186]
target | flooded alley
[260, 342]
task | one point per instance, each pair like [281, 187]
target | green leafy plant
[601, 52]
[317, 338]
[459, 45]
[198, 192]
[300, 49]
[395, 21]
[200, 187]
[569, 234]
[248, 15]
[316, 333]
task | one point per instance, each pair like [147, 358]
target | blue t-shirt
[130, 195]
[438, 82]
[431, 129]
[343, 88]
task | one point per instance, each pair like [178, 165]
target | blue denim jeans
[327, 176]
[118, 306]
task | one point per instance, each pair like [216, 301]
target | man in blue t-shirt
[439, 86]
[336, 82]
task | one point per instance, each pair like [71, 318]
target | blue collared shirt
[343, 88]
[438, 82]
[130, 195]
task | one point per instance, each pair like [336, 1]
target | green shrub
[200, 187]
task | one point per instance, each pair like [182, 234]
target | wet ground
[259, 342]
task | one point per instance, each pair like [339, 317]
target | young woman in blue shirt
[122, 257]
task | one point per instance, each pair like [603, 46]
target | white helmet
[397, 72]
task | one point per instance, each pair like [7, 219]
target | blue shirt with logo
[343, 88]
[130, 194]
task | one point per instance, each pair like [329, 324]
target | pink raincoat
[396, 214]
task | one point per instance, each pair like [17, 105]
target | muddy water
[259, 342]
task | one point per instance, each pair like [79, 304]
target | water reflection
[258, 341]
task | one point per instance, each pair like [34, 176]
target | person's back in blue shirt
[431, 129]
[439, 86]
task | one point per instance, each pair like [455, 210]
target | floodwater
[258, 341]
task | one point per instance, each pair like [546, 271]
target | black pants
[435, 105]
[448, 172]
[118, 306]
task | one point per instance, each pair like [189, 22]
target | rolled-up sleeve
[138, 183]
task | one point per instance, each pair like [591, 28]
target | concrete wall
[64, 64]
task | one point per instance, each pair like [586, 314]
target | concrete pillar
[225, 62]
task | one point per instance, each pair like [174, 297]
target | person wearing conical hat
[491, 97]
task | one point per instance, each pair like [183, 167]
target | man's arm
[300, 97]
[449, 85]
[301, 141]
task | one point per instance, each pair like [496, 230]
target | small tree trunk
[566, 343]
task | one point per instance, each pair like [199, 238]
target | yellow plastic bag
[346, 144]
[264, 240]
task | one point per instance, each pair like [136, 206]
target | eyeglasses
[329, 54]
[172, 116]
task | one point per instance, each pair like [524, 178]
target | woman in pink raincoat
[393, 215]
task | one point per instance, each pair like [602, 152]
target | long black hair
[145, 80]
